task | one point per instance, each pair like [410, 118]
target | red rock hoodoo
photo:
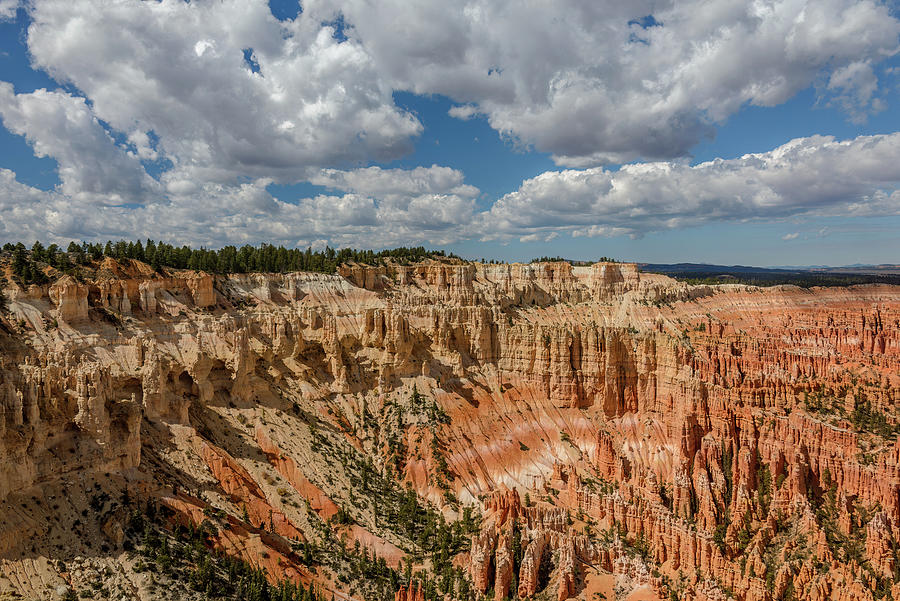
[522, 431]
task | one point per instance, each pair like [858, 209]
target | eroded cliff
[619, 433]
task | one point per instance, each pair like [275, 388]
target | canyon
[574, 432]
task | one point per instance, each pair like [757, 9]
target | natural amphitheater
[441, 429]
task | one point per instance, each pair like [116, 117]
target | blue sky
[509, 136]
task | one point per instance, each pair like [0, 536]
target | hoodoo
[448, 430]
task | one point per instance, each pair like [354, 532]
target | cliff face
[620, 431]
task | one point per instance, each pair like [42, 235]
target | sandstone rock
[482, 549]
[70, 298]
[640, 413]
[531, 561]
[880, 546]
[413, 592]
[504, 566]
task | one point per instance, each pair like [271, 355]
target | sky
[719, 131]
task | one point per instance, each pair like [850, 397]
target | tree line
[572, 262]
[28, 264]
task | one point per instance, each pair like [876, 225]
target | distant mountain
[707, 268]
[873, 269]
[857, 268]
[766, 276]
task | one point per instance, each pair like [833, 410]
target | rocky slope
[448, 431]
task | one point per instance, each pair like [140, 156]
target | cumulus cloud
[393, 213]
[807, 176]
[433, 201]
[8, 9]
[375, 181]
[92, 168]
[223, 100]
[790, 236]
[854, 87]
[464, 112]
[539, 237]
[373, 207]
[609, 82]
[224, 90]
[301, 101]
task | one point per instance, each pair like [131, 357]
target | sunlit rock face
[618, 433]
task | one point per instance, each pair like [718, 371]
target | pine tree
[37, 252]
[20, 260]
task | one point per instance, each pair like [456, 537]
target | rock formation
[617, 431]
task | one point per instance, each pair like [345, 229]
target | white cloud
[168, 82]
[178, 70]
[391, 214]
[8, 9]
[791, 236]
[854, 87]
[583, 81]
[806, 176]
[375, 181]
[92, 168]
[464, 112]
[816, 176]
[539, 237]
[586, 82]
